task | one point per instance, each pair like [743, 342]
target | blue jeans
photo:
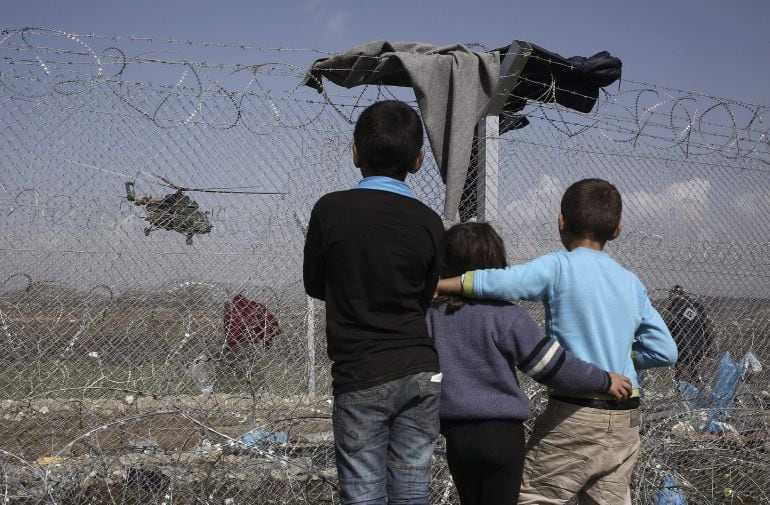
[384, 438]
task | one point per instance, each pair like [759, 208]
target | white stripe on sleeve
[544, 360]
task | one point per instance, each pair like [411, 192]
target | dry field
[129, 424]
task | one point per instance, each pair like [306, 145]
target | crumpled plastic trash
[728, 376]
[324, 436]
[750, 364]
[49, 460]
[206, 447]
[255, 437]
[682, 428]
[146, 445]
[669, 494]
[692, 394]
[719, 428]
[199, 372]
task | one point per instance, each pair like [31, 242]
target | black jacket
[374, 257]
[689, 327]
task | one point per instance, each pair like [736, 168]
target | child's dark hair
[591, 209]
[389, 137]
[470, 246]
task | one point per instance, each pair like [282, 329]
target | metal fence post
[310, 322]
[488, 169]
[488, 130]
[310, 347]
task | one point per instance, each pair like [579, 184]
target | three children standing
[374, 254]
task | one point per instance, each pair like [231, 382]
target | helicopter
[177, 211]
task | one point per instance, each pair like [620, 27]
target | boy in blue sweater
[583, 444]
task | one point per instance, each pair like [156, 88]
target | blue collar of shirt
[386, 184]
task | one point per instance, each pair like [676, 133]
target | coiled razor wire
[124, 381]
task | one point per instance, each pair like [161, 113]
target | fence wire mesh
[157, 343]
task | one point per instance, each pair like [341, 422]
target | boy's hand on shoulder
[620, 386]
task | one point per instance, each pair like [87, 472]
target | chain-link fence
[157, 343]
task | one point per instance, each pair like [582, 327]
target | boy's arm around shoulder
[313, 263]
[546, 361]
[533, 280]
[653, 344]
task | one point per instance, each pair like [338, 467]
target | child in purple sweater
[480, 343]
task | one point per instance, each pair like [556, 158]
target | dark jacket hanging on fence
[546, 77]
[572, 82]
[453, 86]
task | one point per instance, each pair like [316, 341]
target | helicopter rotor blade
[168, 183]
[232, 192]
[236, 191]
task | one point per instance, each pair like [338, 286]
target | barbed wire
[161, 40]
[633, 126]
[122, 378]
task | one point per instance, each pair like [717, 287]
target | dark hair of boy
[388, 139]
[472, 246]
[591, 208]
[469, 246]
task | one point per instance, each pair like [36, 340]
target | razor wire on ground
[156, 359]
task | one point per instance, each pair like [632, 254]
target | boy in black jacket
[373, 254]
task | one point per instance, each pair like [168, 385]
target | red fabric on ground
[249, 321]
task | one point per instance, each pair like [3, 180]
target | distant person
[583, 444]
[248, 321]
[250, 330]
[689, 325]
[373, 254]
[480, 344]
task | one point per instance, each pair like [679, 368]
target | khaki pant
[580, 451]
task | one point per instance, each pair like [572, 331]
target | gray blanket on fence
[453, 86]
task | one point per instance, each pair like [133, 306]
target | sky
[713, 47]
[708, 47]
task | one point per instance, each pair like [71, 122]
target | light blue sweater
[595, 308]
